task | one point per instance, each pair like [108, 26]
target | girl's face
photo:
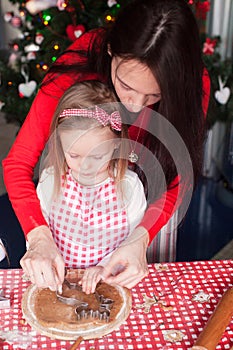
[88, 153]
[134, 84]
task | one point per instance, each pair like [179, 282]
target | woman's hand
[128, 264]
[91, 277]
[42, 262]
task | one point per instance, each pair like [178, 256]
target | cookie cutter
[102, 313]
[4, 302]
[71, 300]
[82, 309]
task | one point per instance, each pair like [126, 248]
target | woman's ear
[109, 50]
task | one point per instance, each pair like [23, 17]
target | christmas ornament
[202, 8]
[111, 3]
[16, 21]
[8, 16]
[223, 94]
[73, 32]
[26, 34]
[31, 56]
[2, 104]
[29, 25]
[12, 62]
[36, 6]
[39, 38]
[31, 48]
[209, 46]
[26, 89]
[61, 5]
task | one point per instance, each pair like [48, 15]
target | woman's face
[88, 153]
[134, 84]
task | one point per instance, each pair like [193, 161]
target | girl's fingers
[90, 279]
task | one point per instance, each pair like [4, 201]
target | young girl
[158, 65]
[88, 197]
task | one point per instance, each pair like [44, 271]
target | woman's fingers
[128, 265]
[129, 277]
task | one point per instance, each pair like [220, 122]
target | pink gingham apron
[88, 222]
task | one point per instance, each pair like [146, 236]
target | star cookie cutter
[82, 309]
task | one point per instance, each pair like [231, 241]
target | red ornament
[209, 46]
[73, 32]
[202, 8]
[16, 21]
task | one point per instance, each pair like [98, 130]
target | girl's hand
[128, 264]
[42, 262]
[91, 277]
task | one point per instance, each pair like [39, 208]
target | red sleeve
[19, 164]
[158, 213]
[206, 91]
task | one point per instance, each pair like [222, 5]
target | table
[170, 308]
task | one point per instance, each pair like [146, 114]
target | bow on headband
[113, 119]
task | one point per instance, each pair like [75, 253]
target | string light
[56, 47]
[109, 18]
[10, 83]
[53, 58]
[46, 17]
[16, 47]
[44, 67]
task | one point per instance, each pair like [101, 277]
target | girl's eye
[98, 157]
[74, 156]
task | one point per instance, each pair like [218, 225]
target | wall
[7, 31]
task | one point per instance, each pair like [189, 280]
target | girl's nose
[85, 164]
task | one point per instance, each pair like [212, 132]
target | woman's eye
[97, 157]
[125, 86]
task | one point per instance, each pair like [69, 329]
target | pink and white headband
[113, 119]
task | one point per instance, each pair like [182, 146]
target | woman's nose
[137, 101]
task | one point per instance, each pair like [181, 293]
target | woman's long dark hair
[162, 34]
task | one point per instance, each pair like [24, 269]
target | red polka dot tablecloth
[169, 310]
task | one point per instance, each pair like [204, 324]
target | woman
[157, 63]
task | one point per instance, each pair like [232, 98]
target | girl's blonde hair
[84, 95]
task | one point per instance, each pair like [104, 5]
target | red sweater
[19, 165]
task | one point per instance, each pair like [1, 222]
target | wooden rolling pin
[217, 323]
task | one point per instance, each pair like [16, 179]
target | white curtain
[220, 22]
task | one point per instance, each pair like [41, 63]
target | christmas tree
[48, 27]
